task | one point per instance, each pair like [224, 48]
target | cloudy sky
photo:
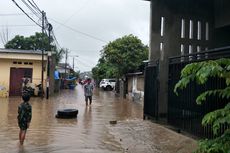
[82, 26]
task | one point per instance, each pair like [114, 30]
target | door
[151, 92]
[16, 75]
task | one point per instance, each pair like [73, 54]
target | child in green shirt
[24, 116]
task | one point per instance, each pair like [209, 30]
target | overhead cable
[34, 6]
[32, 10]
[76, 12]
[35, 10]
[28, 25]
[13, 14]
[88, 35]
[26, 13]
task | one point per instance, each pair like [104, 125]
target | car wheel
[109, 88]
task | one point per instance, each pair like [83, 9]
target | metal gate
[151, 92]
[16, 75]
[183, 112]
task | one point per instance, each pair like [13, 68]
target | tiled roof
[2, 50]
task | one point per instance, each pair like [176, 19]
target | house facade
[182, 32]
[16, 65]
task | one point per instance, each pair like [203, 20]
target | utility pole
[43, 31]
[66, 55]
[50, 28]
[73, 61]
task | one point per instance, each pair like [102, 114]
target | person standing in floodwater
[88, 91]
[24, 116]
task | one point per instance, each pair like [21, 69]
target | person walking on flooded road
[88, 91]
[24, 116]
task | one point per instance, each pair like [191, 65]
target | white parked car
[107, 84]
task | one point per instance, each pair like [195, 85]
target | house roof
[21, 54]
[134, 74]
[2, 50]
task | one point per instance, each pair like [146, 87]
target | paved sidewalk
[138, 136]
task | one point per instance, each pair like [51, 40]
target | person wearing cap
[24, 116]
[88, 91]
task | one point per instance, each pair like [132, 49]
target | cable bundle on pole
[46, 29]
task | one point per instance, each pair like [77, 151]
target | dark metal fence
[151, 92]
[183, 112]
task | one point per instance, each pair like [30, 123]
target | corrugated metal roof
[2, 50]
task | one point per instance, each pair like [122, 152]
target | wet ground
[91, 131]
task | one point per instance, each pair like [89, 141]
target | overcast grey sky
[106, 20]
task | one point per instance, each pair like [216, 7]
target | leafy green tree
[39, 41]
[120, 57]
[201, 72]
[59, 54]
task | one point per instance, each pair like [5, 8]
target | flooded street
[89, 132]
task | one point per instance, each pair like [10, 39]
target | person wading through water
[24, 116]
[88, 91]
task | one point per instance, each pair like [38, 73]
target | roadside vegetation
[38, 41]
[120, 57]
[200, 72]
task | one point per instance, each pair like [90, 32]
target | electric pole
[50, 28]
[73, 61]
[43, 31]
[66, 55]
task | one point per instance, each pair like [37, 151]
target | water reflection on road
[87, 133]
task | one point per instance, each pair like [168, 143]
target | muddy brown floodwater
[89, 132]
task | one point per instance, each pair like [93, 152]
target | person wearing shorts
[24, 116]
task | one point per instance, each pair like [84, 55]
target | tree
[120, 57]
[59, 54]
[201, 72]
[39, 41]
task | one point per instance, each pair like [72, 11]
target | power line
[76, 12]
[77, 50]
[84, 63]
[85, 34]
[55, 39]
[13, 14]
[35, 10]
[26, 13]
[34, 6]
[32, 10]
[28, 25]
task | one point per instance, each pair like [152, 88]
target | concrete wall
[222, 13]
[139, 83]
[4, 77]
[222, 23]
[6, 64]
[136, 86]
